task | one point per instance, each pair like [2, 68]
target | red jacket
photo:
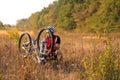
[56, 39]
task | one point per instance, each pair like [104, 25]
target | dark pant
[50, 56]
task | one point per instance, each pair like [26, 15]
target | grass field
[85, 57]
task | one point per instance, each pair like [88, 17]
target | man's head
[51, 28]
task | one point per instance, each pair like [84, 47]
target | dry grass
[75, 46]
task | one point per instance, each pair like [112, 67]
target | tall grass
[85, 57]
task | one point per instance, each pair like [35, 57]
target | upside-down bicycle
[35, 48]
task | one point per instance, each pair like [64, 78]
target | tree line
[81, 15]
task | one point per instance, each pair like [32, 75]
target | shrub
[14, 35]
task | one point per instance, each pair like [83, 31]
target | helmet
[51, 28]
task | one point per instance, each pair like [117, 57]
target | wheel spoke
[24, 43]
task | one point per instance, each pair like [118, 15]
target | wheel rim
[24, 43]
[41, 36]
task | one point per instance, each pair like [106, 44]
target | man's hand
[56, 46]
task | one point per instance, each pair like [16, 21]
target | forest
[79, 15]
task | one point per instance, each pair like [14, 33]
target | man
[55, 52]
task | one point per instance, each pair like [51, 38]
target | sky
[13, 10]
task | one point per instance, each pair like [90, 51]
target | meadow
[85, 57]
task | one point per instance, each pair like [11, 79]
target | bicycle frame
[30, 47]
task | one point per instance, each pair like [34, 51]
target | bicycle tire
[20, 42]
[38, 39]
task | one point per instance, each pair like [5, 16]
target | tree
[1, 24]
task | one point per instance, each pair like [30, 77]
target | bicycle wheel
[24, 44]
[41, 36]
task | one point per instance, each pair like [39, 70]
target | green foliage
[14, 35]
[108, 66]
[105, 66]
[33, 20]
[105, 17]
[1, 24]
[85, 15]
[64, 17]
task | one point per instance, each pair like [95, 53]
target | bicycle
[35, 48]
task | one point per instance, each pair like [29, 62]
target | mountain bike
[35, 48]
